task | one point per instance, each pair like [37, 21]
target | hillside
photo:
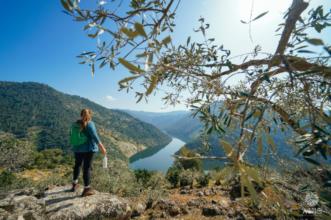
[43, 115]
[179, 124]
[187, 128]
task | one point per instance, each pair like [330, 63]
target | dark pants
[84, 158]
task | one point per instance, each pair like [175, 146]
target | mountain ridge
[27, 106]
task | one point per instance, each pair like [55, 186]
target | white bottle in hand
[105, 162]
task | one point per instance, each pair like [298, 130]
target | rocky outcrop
[60, 204]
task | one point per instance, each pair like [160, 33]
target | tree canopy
[289, 88]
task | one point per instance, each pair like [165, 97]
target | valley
[42, 116]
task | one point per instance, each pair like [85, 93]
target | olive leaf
[126, 80]
[140, 29]
[166, 40]
[259, 146]
[154, 80]
[131, 34]
[260, 15]
[130, 66]
[315, 41]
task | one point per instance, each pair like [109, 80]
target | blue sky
[38, 42]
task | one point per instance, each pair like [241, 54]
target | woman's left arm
[93, 132]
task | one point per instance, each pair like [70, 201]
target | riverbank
[159, 159]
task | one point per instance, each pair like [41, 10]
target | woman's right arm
[102, 149]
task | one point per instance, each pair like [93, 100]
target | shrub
[186, 178]
[143, 176]
[7, 178]
[117, 178]
[15, 154]
[188, 163]
[53, 180]
[173, 175]
[203, 180]
[8, 181]
[50, 158]
[157, 181]
[193, 164]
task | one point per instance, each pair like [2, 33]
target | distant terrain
[182, 125]
[42, 115]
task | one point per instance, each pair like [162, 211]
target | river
[160, 160]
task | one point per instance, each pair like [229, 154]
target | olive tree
[289, 88]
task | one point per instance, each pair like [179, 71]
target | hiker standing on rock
[85, 141]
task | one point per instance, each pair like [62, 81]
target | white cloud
[110, 98]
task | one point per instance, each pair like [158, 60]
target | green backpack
[77, 135]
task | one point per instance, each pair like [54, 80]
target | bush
[117, 178]
[203, 180]
[15, 154]
[173, 175]
[157, 181]
[143, 176]
[195, 164]
[223, 176]
[7, 178]
[8, 181]
[50, 158]
[186, 178]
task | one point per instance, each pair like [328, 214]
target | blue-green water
[160, 160]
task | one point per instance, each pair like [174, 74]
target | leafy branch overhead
[288, 90]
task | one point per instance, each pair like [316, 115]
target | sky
[39, 43]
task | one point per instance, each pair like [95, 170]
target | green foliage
[203, 179]
[188, 163]
[173, 175]
[292, 83]
[7, 178]
[157, 182]
[117, 178]
[143, 176]
[14, 153]
[224, 176]
[186, 178]
[195, 164]
[9, 181]
[50, 158]
[44, 115]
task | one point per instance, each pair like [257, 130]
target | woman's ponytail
[86, 116]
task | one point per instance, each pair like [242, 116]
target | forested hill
[39, 112]
[180, 124]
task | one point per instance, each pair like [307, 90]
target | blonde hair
[86, 116]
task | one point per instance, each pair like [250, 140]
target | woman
[84, 152]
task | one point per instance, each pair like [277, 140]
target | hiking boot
[88, 192]
[74, 187]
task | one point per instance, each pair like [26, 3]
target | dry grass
[39, 175]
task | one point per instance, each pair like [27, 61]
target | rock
[197, 202]
[138, 210]
[211, 210]
[214, 202]
[225, 202]
[58, 203]
[61, 204]
[149, 204]
[20, 206]
[169, 206]
[4, 214]
[186, 187]
[200, 193]
[206, 192]
[184, 191]
[184, 210]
